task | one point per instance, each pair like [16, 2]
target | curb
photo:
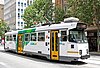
[96, 54]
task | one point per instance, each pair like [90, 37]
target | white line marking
[2, 63]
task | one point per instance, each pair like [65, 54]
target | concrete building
[13, 10]
[1, 9]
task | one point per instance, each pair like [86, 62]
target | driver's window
[72, 37]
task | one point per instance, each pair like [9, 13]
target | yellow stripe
[73, 52]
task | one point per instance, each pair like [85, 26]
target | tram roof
[57, 26]
[46, 27]
[12, 32]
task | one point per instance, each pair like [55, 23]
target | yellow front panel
[54, 55]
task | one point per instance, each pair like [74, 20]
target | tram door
[54, 45]
[20, 43]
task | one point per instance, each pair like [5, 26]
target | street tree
[37, 12]
[3, 27]
[86, 10]
[42, 11]
[59, 14]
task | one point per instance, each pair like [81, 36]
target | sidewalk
[95, 53]
[1, 47]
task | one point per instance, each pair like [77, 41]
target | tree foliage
[41, 11]
[37, 11]
[59, 14]
[86, 10]
[3, 27]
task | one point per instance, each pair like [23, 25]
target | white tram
[65, 41]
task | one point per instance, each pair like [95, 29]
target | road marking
[92, 61]
[2, 63]
[5, 65]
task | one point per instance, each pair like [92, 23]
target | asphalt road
[13, 60]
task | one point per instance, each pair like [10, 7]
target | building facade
[1, 11]
[13, 11]
[60, 3]
[93, 35]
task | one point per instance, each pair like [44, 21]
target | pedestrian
[2, 42]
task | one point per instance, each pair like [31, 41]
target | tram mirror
[59, 35]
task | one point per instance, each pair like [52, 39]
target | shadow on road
[43, 59]
[70, 63]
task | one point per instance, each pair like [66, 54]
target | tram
[65, 41]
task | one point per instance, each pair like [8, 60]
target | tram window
[41, 36]
[56, 41]
[52, 41]
[63, 35]
[27, 37]
[14, 37]
[10, 38]
[33, 37]
[7, 38]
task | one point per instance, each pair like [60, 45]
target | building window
[18, 23]
[22, 4]
[27, 2]
[22, 16]
[41, 36]
[64, 35]
[18, 10]
[18, 15]
[18, 3]
[21, 22]
[21, 10]
[30, 2]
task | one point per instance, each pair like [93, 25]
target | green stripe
[26, 42]
[27, 31]
[21, 32]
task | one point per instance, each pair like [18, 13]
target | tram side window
[27, 37]
[33, 37]
[41, 36]
[14, 37]
[7, 38]
[10, 38]
[63, 35]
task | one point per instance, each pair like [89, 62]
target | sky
[1, 1]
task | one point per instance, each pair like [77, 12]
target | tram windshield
[77, 36]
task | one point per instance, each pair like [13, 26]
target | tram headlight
[80, 52]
